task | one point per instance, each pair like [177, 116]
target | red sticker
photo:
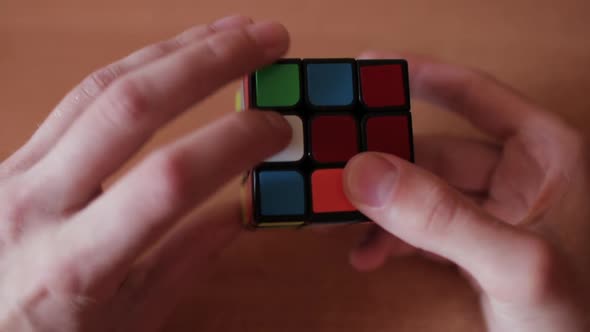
[328, 192]
[389, 134]
[383, 85]
[334, 138]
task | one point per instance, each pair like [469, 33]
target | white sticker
[294, 151]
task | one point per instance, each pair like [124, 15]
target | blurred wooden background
[300, 281]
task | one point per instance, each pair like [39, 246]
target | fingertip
[280, 126]
[272, 36]
[369, 179]
[268, 131]
[276, 121]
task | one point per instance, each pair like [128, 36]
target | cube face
[336, 108]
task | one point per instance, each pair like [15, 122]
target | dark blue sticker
[330, 84]
[282, 193]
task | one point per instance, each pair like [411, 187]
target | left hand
[74, 258]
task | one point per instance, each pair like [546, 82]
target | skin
[76, 258]
[511, 214]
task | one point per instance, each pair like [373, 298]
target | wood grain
[301, 281]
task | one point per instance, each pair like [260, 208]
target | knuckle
[231, 44]
[99, 80]
[159, 49]
[194, 33]
[12, 218]
[169, 176]
[63, 278]
[442, 208]
[127, 103]
[17, 203]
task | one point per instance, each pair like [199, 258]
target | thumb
[425, 212]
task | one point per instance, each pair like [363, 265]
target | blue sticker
[330, 84]
[282, 193]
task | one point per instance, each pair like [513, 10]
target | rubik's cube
[336, 108]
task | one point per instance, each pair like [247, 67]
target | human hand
[512, 215]
[74, 258]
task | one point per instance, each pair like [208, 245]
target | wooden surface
[300, 281]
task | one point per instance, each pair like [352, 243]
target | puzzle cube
[336, 108]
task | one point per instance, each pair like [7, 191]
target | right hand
[513, 215]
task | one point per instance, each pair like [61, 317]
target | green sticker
[278, 85]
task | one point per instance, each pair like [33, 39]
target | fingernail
[232, 21]
[370, 180]
[271, 36]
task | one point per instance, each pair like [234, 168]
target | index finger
[147, 203]
[488, 104]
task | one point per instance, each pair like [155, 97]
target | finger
[379, 245]
[423, 211]
[466, 164]
[180, 261]
[137, 105]
[505, 114]
[488, 104]
[145, 204]
[376, 248]
[75, 102]
[434, 257]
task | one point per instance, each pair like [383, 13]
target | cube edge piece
[355, 91]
